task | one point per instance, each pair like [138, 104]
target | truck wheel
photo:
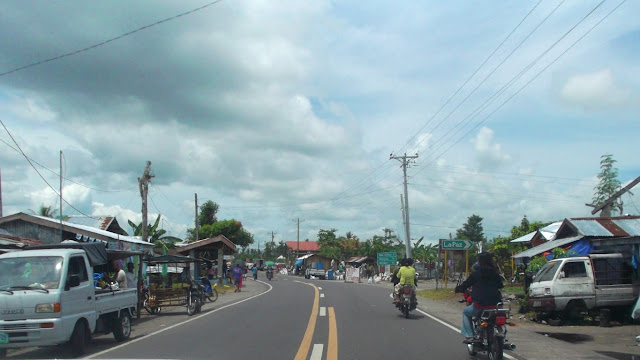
[122, 327]
[79, 339]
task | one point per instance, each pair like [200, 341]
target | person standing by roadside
[254, 270]
[237, 278]
[131, 276]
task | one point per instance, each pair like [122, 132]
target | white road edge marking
[454, 328]
[321, 295]
[316, 353]
[323, 311]
[178, 324]
[319, 288]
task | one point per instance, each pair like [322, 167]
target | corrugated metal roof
[630, 226]
[524, 238]
[101, 222]
[549, 231]
[547, 246]
[590, 228]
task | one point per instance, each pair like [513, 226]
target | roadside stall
[172, 285]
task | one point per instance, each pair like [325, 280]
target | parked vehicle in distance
[569, 286]
[319, 273]
[49, 298]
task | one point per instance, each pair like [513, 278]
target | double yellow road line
[332, 346]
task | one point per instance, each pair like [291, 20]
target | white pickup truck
[569, 286]
[48, 297]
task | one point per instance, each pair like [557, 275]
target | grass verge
[439, 294]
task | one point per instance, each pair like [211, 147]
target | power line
[497, 67]
[39, 174]
[64, 177]
[469, 78]
[531, 80]
[108, 40]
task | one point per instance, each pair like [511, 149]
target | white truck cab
[583, 283]
[48, 297]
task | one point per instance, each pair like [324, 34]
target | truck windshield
[37, 272]
[548, 271]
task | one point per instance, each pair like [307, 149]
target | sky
[287, 110]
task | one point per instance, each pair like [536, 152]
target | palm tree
[46, 211]
[156, 236]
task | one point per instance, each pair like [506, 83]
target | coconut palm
[46, 211]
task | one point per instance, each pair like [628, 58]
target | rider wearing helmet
[406, 276]
[486, 284]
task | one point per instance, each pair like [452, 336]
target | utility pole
[61, 236]
[143, 184]
[298, 246]
[407, 245]
[405, 160]
[197, 234]
[0, 193]
[273, 236]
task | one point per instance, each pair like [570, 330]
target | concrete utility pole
[298, 246]
[407, 245]
[405, 160]
[143, 184]
[0, 193]
[61, 236]
[196, 235]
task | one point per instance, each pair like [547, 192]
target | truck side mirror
[72, 281]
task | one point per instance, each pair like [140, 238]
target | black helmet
[409, 261]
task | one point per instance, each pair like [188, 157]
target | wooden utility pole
[298, 246]
[143, 184]
[61, 236]
[197, 234]
[607, 205]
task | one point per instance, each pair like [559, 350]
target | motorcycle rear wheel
[406, 311]
[495, 348]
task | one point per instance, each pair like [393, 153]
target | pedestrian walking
[237, 278]
[254, 270]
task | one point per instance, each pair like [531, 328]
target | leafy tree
[472, 230]
[208, 213]
[155, 236]
[329, 244]
[609, 183]
[46, 211]
[231, 229]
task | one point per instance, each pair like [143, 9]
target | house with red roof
[303, 247]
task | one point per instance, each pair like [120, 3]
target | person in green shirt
[406, 275]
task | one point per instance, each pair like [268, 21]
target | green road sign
[387, 258]
[457, 244]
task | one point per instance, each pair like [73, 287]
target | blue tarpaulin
[579, 248]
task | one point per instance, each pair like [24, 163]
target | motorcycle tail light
[484, 324]
[501, 320]
[407, 291]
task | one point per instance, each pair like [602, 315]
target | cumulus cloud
[489, 154]
[595, 91]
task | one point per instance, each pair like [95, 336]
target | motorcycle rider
[270, 272]
[406, 275]
[486, 284]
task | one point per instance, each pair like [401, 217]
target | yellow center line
[332, 346]
[303, 350]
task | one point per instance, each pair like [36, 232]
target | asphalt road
[287, 318]
[296, 320]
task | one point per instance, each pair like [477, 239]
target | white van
[48, 297]
[576, 284]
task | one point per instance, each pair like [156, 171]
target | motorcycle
[270, 274]
[195, 298]
[210, 292]
[407, 300]
[490, 331]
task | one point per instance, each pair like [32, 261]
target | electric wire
[65, 177]
[495, 69]
[469, 78]
[529, 82]
[102, 43]
[39, 174]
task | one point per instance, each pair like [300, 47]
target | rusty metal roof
[101, 222]
[607, 227]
